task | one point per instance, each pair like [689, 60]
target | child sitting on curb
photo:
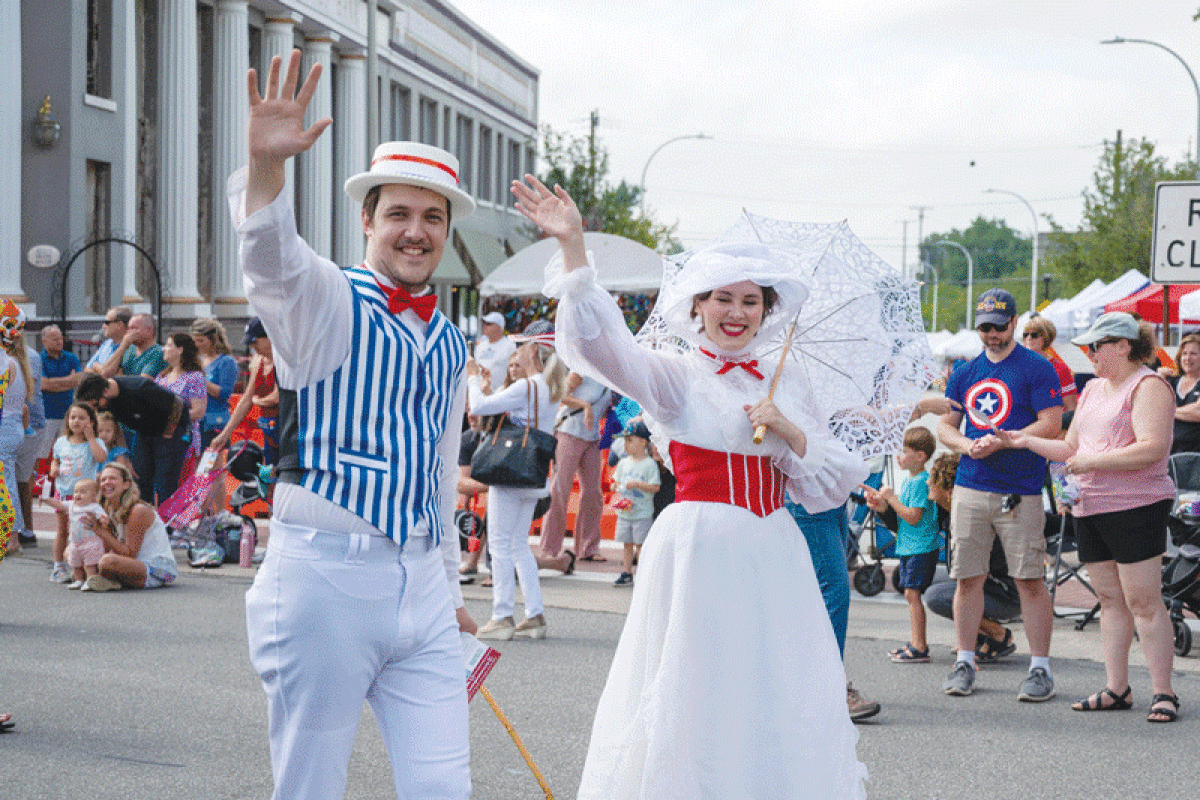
[917, 540]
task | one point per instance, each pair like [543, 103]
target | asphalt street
[150, 694]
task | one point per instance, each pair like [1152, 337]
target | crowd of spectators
[144, 409]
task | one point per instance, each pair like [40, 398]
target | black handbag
[514, 455]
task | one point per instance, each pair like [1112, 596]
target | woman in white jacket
[510, 509]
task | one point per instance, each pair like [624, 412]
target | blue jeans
[826, 534]
[12, 433]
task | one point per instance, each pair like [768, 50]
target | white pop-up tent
[622, 265]
[1084, 313]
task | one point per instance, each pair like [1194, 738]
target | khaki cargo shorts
[976, 520]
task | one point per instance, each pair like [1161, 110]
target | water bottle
[246, 551]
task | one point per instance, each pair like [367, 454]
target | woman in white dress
[727, 682]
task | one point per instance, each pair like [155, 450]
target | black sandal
[1122, 702]
[1170, 714]
[995, 648]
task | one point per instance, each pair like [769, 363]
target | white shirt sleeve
[303, 299]
[591, 336]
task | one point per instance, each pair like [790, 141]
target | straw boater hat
[415, 165]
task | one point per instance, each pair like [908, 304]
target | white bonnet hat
[724, 264]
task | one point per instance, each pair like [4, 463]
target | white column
[279, 39]
[352, 156]
[232, 53]
[315, 215]
[126, 258]
[13, 123]
[179, 174]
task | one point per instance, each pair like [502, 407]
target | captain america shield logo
[989, 400]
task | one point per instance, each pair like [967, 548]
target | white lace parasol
[859, 338]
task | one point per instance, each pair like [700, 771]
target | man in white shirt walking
[358, 596]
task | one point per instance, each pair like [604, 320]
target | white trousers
[334, 619]
[509, 515]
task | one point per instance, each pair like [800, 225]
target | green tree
[1001, 259]
[994, 247]
[580, 165]
[1116, 232]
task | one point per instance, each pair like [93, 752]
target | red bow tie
[399, 299]
[750, 366]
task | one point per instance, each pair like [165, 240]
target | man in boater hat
[358, 596]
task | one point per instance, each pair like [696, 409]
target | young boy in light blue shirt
[917, 539]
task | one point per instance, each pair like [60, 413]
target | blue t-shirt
[1010, 394]
[912, 540]
[57, 403]
[223, 371]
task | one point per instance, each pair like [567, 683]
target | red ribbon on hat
[427, 161]
[399, 299]
[750, 365]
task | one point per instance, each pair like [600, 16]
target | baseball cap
[1113, 325]
[494, 318]
[540, 331]
[638, 429]
[254, 330]
[995, 306]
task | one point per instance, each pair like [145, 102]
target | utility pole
[593, 200]
[920, 227]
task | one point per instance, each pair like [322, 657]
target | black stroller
[1181, 578]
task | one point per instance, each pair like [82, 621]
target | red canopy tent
[1149, 301]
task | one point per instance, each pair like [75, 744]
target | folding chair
[1059, 542]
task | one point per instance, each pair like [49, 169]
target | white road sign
[1175, 256]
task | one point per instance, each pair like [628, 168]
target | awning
[451, 269]
[486, 250]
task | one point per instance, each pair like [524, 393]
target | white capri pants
[334, 619]
[509, 515]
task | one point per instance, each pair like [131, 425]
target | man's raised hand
[276, 131]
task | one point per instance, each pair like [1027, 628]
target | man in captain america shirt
[998, 490]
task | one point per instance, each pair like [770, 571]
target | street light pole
[970, 280]
[1032, 278]
[642, 182]
[1192, 75]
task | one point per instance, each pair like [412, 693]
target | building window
[428, 121]
[485, 163]
[514, 161]
[529, 161]
[448, 129]
[401, 113]
[98, 227]
[99, 48]
[464, 146]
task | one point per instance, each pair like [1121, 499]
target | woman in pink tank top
[1117, 448]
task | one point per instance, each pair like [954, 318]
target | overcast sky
[861, 110]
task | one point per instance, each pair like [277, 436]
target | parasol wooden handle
[760, 431]
[516, 739]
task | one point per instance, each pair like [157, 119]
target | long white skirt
[727, 682]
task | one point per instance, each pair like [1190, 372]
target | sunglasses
[1032, 335]
[987, 327]
[1094, 346]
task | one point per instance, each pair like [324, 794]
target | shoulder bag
[514, 455]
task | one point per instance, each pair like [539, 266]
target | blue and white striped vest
[366, 436]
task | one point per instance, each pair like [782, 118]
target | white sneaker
[76, 585]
